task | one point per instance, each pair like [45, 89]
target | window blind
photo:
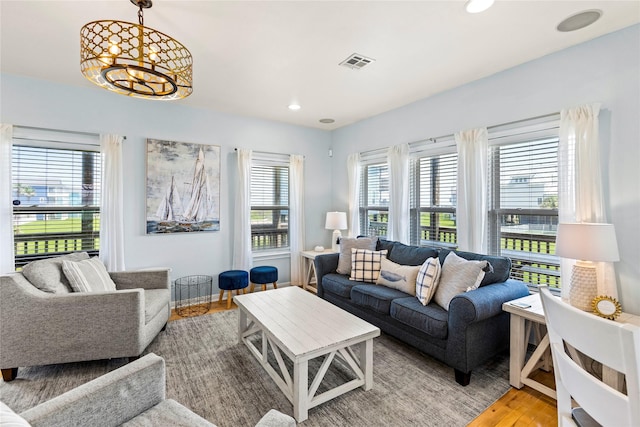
[56, 200]
[269, 206]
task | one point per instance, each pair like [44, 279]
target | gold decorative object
[607, 307]
[135, 60]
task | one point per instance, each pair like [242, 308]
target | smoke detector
[356, 61]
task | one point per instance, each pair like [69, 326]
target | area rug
[212, 374]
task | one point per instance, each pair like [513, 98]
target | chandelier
[135, 60]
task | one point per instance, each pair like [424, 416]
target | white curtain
[112, 203]
[353, 174]
[242, 256]
[296, 217]
[398, 160]
[7, 256]
[580, 191]
[471, 211]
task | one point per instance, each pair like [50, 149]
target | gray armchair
[133, 395]
[41, 328]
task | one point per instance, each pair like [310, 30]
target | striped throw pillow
[88, 276]
[427, 280]
[365, 264]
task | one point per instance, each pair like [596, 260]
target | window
[523, 213]
[269, 205]
[433, 213]
[56, 195]
[374, 200]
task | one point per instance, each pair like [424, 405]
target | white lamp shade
[587, 241]
[336, 221]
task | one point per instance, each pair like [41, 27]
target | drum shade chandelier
[135, 60]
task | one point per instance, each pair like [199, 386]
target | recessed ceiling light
[579, 20]
[294, 107]
[327, 121]
[477, 6]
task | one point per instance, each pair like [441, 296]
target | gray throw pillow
[348, 243]
[457, 276]
[47, 275]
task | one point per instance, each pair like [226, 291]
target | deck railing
[33, 247]
[532, 255]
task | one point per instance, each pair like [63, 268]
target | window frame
[534, 268]
[267, 160]
[52, 244]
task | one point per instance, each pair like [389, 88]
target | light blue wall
[605, 70]
[38, 103]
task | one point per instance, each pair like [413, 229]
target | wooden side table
[526, 320]
[310, 269]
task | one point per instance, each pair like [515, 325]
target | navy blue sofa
[474, 330]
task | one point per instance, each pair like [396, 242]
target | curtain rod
[434, 140]
[269, 152]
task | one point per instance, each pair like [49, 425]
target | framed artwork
[183, 187]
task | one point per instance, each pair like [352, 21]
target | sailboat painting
[183, 187]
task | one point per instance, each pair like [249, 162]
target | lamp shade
[587, 241]
[336, 221]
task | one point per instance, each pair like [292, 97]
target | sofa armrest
[325, 264]
[486, 301]
[145, 279]
[109, 400]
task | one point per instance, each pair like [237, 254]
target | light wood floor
[517, 408]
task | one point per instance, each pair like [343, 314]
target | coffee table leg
[300, 390]
[366, 363]
[242, 324]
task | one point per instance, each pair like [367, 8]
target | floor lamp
[336, 221]
[586, 243]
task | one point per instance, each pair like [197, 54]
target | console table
[531, 319]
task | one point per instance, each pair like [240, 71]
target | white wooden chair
[613, 344]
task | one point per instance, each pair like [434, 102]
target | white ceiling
[254, 58]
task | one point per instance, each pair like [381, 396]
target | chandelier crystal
[134, 60]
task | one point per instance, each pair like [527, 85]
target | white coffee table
[305, 327]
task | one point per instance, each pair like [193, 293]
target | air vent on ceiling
[356, 61]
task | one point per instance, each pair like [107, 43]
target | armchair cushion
[47, 275]
[89, 275]
[155, 300]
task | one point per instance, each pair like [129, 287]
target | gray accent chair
[42, 328]
[133, 395]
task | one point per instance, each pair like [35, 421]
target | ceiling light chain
[135, 60]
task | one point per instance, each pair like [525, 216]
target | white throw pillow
[427, 280]
[88, 276]
[397, 276]
[348, 243]
[365, 264]
[8, 418]
[458, 275]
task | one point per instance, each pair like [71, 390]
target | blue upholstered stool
[262, 276]
[232, 280]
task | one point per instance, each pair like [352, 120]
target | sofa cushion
[458, 275]
[89, 275]
[396, 276]
[501, 265]
[338, 284]
[168, 413]
[155, 300]
[374, 297]
[384, 244]
[365, 264]
[411, 255]
[430, 319]
[427, 280]
[47, 275]
[348, 243]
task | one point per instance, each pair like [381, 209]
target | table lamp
[586, 242]
[336, 221]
